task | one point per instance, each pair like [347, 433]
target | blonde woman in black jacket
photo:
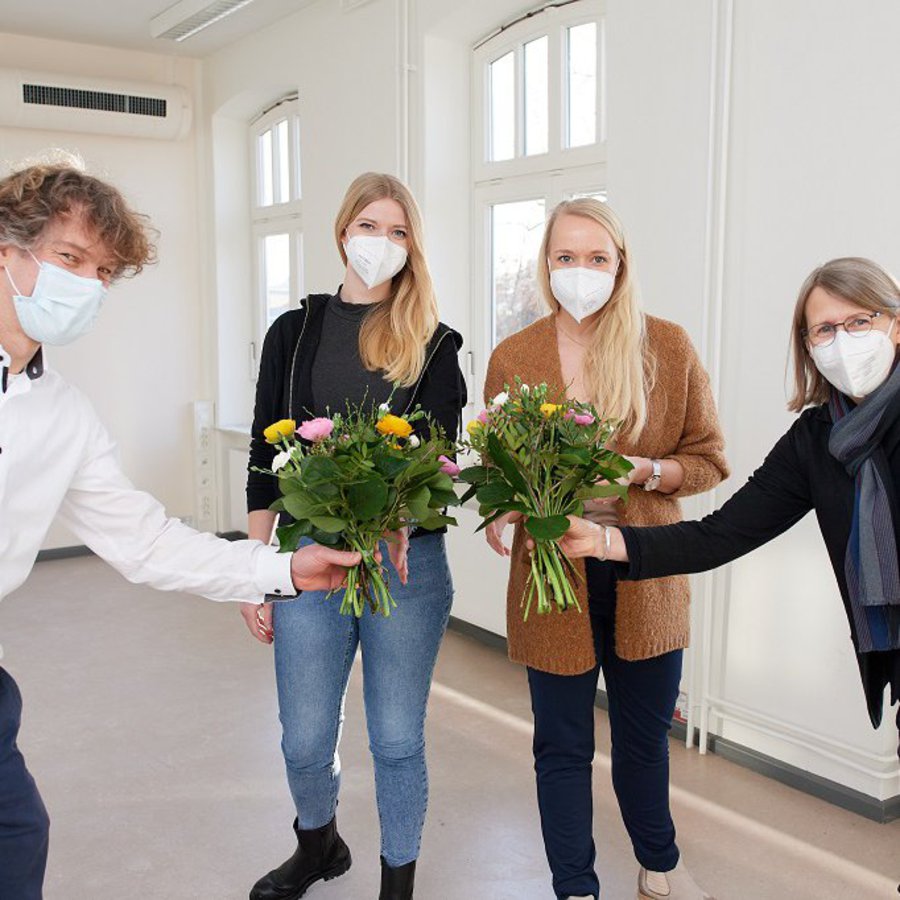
[376, 340]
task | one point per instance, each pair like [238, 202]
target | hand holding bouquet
[352, 478]
[543, 460]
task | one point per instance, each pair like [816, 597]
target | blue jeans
[314, 649]
[642, 696]
[24, 826]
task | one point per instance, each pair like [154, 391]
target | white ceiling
[127, 23]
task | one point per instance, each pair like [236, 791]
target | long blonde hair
[852, 278]
[397, 330]
[619, 369]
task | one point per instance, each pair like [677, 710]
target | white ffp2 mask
[375, 258]
[581, 291]
[856, 366]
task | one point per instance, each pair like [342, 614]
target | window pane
[284, 162]
[264, 166]
[536, 95]
[503, 107]
[582, 68]
[277, 256]
[516, 232]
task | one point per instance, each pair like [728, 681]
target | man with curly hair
[65, 237]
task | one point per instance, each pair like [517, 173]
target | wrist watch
[652, 483]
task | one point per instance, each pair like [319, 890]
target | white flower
[384, 408]
[281, 460]
[414, 441]
[500, 399]
[524, 389]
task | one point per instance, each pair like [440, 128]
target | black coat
[798, 475]
[284, 387]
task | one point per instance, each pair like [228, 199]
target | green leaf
[329, 524]
[494, 492]
[278, 505]
[303, 506]
[513, 506]
[549, 528]
[417, 501]
[506, 465]
[367, 498]
[589, 491]
[440, 481]
[440, 499]
[289, 535]
[390, 466]
[326, 538]
[319, 468]
[576, 456]
[488, 519]
[436, 521]
[469, 494]
[474, 474]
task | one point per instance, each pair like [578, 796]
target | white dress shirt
[57, 461]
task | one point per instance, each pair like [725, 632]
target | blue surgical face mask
[62, 307]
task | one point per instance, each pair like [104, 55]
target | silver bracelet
[607, 542]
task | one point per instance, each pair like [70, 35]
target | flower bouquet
[349, 479]
[544, 460]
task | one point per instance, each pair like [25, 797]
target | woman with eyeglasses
[841, 458]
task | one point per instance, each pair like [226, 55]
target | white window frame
[553, 176]
[275, 218]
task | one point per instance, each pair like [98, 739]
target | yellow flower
[394, 425]
[474, 426]
[548, 409]
[284, 428]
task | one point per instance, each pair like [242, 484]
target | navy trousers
[642, 696]
[24, 825]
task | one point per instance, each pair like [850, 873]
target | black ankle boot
[321, 855]
[397, 884]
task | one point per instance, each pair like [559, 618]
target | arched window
[539, 138]
[277, 211]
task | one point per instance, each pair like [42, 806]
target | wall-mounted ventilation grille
[47, 95]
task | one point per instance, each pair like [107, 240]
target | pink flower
[580, 418]
[484, 416]
[449, 467]
[316, 430]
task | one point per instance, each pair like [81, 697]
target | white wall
[808, 174]
[811, 174]
[144, 363]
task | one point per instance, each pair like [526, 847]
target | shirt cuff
[273, 575]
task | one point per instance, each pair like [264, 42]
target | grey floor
[151, 727]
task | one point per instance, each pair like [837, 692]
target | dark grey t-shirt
[338, 375]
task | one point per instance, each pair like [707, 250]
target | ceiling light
[186, 18]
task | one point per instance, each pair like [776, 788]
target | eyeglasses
[856, 325]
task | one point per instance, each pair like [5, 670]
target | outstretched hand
[318, 568]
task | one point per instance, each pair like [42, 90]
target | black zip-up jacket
[284, 387]
[798, 475]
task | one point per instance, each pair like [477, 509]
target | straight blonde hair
[619, 368]
[852, 278]
[397, 330]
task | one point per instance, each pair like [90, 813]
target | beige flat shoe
[675, 885]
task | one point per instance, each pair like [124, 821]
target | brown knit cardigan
[652, 617]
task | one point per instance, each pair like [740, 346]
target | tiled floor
[152, 729]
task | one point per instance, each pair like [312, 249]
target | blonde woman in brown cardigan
[597, 345]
